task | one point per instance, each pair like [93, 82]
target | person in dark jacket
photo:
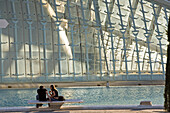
[42, 93]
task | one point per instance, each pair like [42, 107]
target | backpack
[61, 98]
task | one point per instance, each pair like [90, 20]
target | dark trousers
[37, 98]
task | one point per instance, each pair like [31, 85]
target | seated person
[53, 93]
[42, 92]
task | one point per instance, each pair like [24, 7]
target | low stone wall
[79, 84]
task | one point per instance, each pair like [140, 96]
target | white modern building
[83, 40]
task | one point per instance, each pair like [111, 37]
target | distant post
[3, 24]
[167, 80]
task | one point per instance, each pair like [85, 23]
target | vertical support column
[57, 23]
[147, 34]
[1, 61]
[99, 44]
[1, 54]
[16, 42]
[159, 37]
[85, 27]
[81, 43]
[71, 25]
[15, 21]
[111, 29]
[99, 30]
[135, 33]
[29, 22]
[1, 57]
[123, 30]
[100, 56]
[2, 70]
[58, 35]
[43, 23]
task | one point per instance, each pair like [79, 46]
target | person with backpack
[54, 94]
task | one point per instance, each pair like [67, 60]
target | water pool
[121, 95]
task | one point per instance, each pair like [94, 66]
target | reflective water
[127, 95]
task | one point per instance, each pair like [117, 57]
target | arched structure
[83, 40]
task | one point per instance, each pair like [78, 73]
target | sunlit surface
[83, 40]
[90, 95]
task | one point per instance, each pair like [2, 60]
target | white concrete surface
[87, 109]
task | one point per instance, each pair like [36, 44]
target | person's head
[41, 87]
[52, 87]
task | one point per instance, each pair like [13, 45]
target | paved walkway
[86, 109]
[94, 111]
[79, 84]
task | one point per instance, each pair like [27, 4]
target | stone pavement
[86, 109]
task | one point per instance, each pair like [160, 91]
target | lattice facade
[82, 40]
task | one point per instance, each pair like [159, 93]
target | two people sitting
[52, 96]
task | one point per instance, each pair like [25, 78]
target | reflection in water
[90, 95]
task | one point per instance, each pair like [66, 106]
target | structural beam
[153, 47]
[108, 16]
[87, 12]
[110, 10]
[152, 25]
[129, 25]
[163, 3]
